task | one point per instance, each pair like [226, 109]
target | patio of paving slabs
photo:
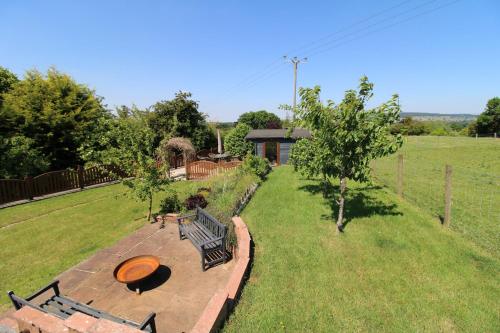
[178, 292]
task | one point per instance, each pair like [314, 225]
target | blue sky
[227, 53]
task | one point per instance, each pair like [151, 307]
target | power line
[276, 63]
[319, 51]
[274, 68]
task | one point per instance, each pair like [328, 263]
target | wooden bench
[207, 235]
[63, 307]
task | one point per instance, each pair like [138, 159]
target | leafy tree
[128, 142]
[488, 122]
[180, 117]
[260, 119]
[235, 143]
[55, 112]
[20, 158]
[346, 136]
[7, 80]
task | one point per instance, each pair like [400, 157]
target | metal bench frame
[206, 234]
[63, 307]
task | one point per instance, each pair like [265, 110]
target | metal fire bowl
[136, 269]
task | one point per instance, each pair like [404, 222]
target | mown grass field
[475, 182]
[394, 269]
[42, 239]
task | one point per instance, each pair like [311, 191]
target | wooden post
[400, 176]
[447, 195]
[28, 181]
[81, 181]
[278, 162]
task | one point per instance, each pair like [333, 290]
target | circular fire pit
[136, 269]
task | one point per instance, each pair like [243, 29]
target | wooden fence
[205, 169]
[55, 181]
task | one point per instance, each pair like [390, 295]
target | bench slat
[205, 228]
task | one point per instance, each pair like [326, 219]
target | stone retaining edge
[222, 302]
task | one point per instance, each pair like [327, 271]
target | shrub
[170, 204]
[195, 200]
[256, 165]
[235, 142]
[205, 191]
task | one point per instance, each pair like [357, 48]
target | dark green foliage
[488, 122]
[7, 80]
[196, 200]
[170, 204]
[410, 126]
[180, 117]
[54, 111]
[235, 143]
[256, 165]
[20, 158]
[260, 119]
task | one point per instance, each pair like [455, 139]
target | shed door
[259, 149]
[284, 152]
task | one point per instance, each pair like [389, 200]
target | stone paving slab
[178, 293]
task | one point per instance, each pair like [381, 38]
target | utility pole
[295, 62]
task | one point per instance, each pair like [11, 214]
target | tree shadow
[359, 202]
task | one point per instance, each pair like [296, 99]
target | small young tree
[128, 142]
[346, 136]
[235, 142]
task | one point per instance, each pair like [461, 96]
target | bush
[256, 165]
[235, 142]
[195, 200]
[205, 191]
[170, 204]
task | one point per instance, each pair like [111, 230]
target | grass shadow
[359, 202]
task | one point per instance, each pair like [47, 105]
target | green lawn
[475, 182]
[42, 239]
[394, 269]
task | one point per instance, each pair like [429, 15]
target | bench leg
[203, 259]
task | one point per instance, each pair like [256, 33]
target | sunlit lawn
[475, 182]
[45, 238]
[394, 269]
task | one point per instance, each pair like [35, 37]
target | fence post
[447, 195]
[28, 182]
[400, 176]
[81, 181]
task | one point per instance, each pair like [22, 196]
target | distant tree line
[51, 122]
[486, 124]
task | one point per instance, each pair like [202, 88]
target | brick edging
[223, 300]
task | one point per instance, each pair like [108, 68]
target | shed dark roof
[278, 133]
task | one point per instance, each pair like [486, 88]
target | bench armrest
[54, 285]
[149, 321]
[212, 241]
[182, 218]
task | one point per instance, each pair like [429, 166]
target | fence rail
[56, 181]
[206, 169]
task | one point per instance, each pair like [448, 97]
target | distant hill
[439, 116]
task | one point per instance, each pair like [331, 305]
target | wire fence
[473, 196]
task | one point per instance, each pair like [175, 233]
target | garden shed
[275, 144]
